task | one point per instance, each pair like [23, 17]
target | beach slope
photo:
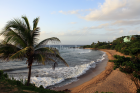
[109, 80]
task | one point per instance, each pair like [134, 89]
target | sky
[76, 22]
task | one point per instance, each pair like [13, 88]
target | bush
[41, 87]
[1, 73]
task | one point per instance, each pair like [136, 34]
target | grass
[14, 86]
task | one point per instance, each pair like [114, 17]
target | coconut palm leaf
[20, 54]
[12, 36]
[45, 41]
[35, 22]
[35, 33]
[44, 50]
[6, 50]
[39, 58]
[60, 58]
[17, 26]
[26, 21]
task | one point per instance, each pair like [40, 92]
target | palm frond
[35, 22]
[13, 37]
[39, 58]
[35, 33]
[26, 21]
[20, 54]
[18, 26]
[60, 58]
[45, 41]
[6, 50]
[43, 59]
[43, 50]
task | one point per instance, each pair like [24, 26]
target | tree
[92, 44]
[20, 42]
[133, 38]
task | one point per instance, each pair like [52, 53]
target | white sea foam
[48, 77]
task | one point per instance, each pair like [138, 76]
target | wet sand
[108, 80]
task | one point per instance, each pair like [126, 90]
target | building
[129, 38]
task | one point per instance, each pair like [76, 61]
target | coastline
[91, 73]
[108, 80]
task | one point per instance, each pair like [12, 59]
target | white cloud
[133, 32]
[126, 22]
[114, 29]
[115, 9]
[100, 26]
[76, 11]
[87, 10]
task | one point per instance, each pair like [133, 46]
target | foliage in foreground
[14, 86]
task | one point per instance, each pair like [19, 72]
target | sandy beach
[108, 80]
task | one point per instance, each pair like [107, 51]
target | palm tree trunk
[29, 74]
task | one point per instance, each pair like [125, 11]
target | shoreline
[91, 73]
[108, 80]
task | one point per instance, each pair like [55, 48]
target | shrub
[41, 87]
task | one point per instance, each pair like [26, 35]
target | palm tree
[20, 42]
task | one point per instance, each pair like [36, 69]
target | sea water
[79, 61]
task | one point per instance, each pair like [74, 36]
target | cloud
[114, 10]
[84, 10]
[133, 32]
[73, 22]
[100, 26]
[125, 22]
[69, 12]
[76, 11]
[96, 27]
[114, 29]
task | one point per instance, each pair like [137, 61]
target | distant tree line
[127, 48]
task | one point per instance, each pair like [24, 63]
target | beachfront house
[129, 38]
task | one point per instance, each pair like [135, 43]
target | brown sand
[108, 81]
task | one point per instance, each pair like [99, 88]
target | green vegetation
[14, 86]
[20, 42]
[127, 48]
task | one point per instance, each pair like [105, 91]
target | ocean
[79, 61]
